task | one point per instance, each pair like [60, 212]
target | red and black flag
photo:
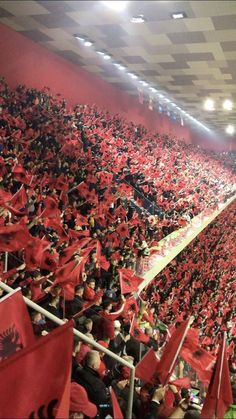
[171, 352]
[15, 326]
[146, 368]
[137, 333]
[19, 200]
[200, 360]
[129, 282]
[38, 377]
[21, 175]
[14, 237]
[219, 394]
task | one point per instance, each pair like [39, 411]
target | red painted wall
[25, 62]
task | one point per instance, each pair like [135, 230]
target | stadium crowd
[74, 184]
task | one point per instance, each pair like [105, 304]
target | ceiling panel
[188, 59]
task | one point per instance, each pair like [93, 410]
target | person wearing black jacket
[89, 378]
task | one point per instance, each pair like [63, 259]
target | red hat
[79, 401]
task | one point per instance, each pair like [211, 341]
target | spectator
[89, 378]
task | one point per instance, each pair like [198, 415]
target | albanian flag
[171, 351]
[14, 237]
[81, 220]
[105, 178]
[123, 230]
[34, 252]
[73, 234]
[69, 251]
[19, 200]
[20, 175]
[137, 333]
[15, 326]
[39, 378]
[51, 209]
[131, 305]
[219, 395]
[199, 359]
[129, 282]
[146, 368]
[68, 276]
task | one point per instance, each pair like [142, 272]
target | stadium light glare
[230, 129]
[209, 104]
[117, 6]
[228, 105]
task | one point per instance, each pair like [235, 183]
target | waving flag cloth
[146, 368]
[38, 378]
[15, 326]
[129, 282]
[34, 252]
[117, 413]
[171, 352]
[51, 209]
[199, 359]
[137, 333]
[21, 175]
[19, 200]
[219, 395]
[14, 237]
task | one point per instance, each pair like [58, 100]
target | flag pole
[64, 305]
[6, 253]
[220, 374]
[178, 349]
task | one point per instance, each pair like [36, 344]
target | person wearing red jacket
[107, 328]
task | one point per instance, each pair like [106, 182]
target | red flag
[4, 196]
[49, 261]
[15, 326]
[19, 200]
[137, 332]
[219, 395]
[39, 378]
[183, 382]
[199, 359]
[14, 237]
[117, 413]
[66, 273]
[34, 252]
[129, 282]
[20, 174]
[131, 305]
[171, 352]
[82, 188]
[81, 220]
[68, 252]
[122, 230]
[105, 178]
[78, 234]
[69, 275]
[146, 368]
[61, 184]
[56, 225]
[51, 210]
